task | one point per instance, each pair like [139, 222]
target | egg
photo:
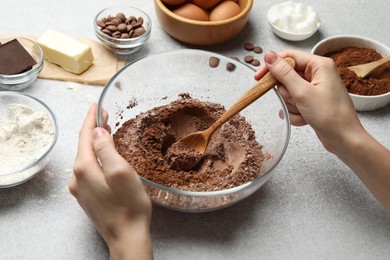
[225, 10]
[174, 2]
[206, 4]
[193, 12]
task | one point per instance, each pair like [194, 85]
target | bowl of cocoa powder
[371, 92]
[155, 101]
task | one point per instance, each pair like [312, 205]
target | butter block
[65, 51]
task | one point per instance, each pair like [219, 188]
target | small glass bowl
[123, 47]
[26, 172]
[21, 81]
[139, 87]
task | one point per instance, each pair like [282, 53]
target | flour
[25, 135]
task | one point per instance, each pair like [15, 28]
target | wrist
[349, 142]
[131, 242]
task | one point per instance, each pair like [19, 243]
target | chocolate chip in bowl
[123, 29]
[368, 93]
[153, 109]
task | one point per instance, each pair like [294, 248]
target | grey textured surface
[313, 208]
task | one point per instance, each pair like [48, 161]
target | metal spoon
[198, 141]
[364, 70]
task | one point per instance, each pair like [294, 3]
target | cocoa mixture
[375, 84]
[232, 158]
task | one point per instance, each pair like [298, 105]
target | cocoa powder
[233, 156]
[376, 83]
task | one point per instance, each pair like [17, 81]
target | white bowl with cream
[293, 21]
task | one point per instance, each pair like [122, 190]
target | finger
[72, 186]
[292, 108]
[302, 59]
[115, 167]
[297, 120]
[85, 148]
[284, 92]
[105, 117]
[261, 72]
[285, 74]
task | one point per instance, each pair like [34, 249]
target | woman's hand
[111, 193]
[315, 95]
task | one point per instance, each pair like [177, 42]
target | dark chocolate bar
[14, 58]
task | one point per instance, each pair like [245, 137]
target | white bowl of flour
[28, 132]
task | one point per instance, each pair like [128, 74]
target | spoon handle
[257, 90]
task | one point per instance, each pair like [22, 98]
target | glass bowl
[159, 79]
[21, 81]
[338, 42]
[23, 169]
[123, 47]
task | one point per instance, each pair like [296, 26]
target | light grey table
[313, 208]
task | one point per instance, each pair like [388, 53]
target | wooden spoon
[364, 70]
[198, 141]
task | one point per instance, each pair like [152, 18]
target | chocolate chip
[248, 58]
[121, 16]
[116, 21]
[213, 62]
[255, 62]
[230, 66]
[112, 28]
[258, 49]
[101, 23]
[249, 46]
[122, 27]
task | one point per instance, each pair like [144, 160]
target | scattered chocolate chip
[249, 46]
[248, 58]
[213, 62]
[258, 49]
[230, 66]
[255, 62]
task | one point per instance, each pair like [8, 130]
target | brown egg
[174, 2]
[206, 4]
[225, 10]
[193, 12]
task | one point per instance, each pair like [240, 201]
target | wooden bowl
[202, 32]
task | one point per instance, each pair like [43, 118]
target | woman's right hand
[314, 95]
